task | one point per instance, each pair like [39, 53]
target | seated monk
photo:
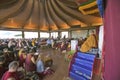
[30, 62]
[49, 43]
[8, 57]
[69, 47]
[64, 46]
[58, 45]
[90, 43]
[22, 56]
[36, 56]
[12, 72]
[55, 44]
[33, 42]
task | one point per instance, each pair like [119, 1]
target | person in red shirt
[12, 72]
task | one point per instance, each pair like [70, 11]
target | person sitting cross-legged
[40, 66]
[41, 69]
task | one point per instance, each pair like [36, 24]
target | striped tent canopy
[45, 15]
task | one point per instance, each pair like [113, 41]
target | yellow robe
[89, 43]
[20, 52]
[33, 42]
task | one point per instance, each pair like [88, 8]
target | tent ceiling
[6, 1]
[45, 15]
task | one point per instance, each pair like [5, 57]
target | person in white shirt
[49, 42]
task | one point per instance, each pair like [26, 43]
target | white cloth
[101, 36]
[10, 44]
[49, 41]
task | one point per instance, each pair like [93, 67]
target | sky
[10, 34]
[13, 34]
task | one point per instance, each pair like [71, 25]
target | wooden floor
[60, 65]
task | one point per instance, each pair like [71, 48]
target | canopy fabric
[45, 15]
[112, 40]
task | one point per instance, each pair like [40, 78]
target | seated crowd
[21, 59]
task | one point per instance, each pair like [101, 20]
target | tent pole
[49, 34]
[59, 34]
[38, 34]
[69, 34]
[23, 35]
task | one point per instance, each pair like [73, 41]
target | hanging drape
[100, 7]
[112, 40]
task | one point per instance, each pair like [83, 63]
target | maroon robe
[29, 65]
[8, 75]
[64, 47]
[21, 59]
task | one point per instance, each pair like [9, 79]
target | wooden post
[38, 34]
[49, 34]
[69, 34]
[59, 34]
[23, 35]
